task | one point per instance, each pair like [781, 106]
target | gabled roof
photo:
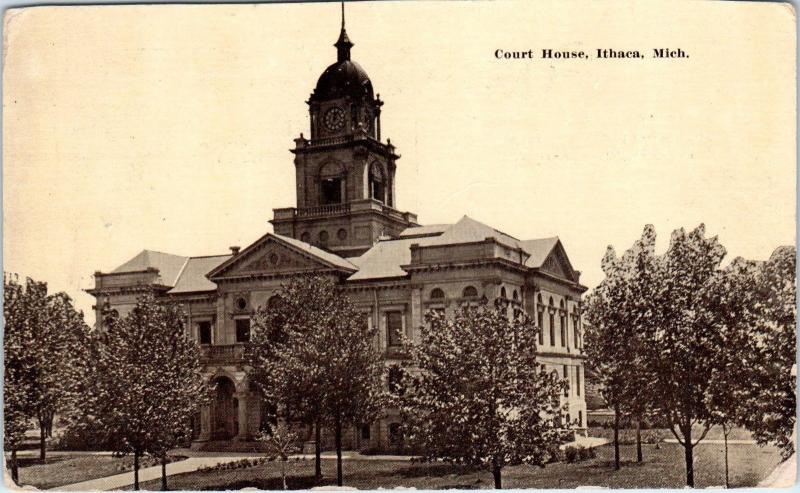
[304, 248]
[468, 230]
[193, 276]
[317, 252]
[538, 250]
[169, 266]
[385, 258]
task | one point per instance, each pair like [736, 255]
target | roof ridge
[180, 272]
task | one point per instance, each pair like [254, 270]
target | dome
[344, 78]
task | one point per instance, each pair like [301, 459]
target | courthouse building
[347, 225]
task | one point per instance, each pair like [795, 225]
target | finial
[343, 44]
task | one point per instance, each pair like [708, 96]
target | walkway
[126, 479]
[199, 460]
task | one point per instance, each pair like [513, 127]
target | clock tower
[344, 172]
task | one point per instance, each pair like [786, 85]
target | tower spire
[343, 44]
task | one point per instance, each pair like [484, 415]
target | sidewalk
[146, 474]
[784, 476]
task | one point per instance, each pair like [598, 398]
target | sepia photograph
[399, 245]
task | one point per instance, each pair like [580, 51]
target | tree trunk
[164, 472]
[688, 452]
[136, 471]
[725, 432]
[616, 437]
[338, 434]
[283, 474]
[318, 451]
[42, 440]
[14, 466]
[496, 474]
[638, 441]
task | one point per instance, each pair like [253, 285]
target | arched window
[470, 292]
[377, 182]
[552, 321]
[515, 295]
[305, 237]
[437, 294]
[563, 322]
[331, 184]
[323, 237]
[540, 324]
[503, 292]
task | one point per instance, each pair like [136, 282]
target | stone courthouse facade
[346, 225]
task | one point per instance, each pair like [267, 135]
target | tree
[16, 393]
[730, 306]
[313, 353]
[477, 394]
[683, 340]
[281, 441]
[149, 383]
[300, 393]
[50, 363]
[616, 339]
[770, 402]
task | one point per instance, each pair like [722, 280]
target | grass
[663, 467]
[628, 436]
[59, 470]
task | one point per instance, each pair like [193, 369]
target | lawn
[662, 468]
[66, 469]
[629, 435]
[60, 470]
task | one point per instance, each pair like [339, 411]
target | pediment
[271, 256]
[556, 263]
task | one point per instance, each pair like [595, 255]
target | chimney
[235, 250]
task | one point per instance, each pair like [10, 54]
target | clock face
[334, 118]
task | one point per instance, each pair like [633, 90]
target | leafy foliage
[313, 353]
[677, 337]
[477, 394]
[44, 344]
[147, 381]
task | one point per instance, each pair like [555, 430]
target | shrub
[586, 453]
[571, 454]
[555, 453]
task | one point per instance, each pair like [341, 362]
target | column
[243, 427]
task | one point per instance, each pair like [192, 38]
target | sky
[169, 127]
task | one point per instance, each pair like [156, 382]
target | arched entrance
[224, 410]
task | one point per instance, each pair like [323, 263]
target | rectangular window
[242, 330]
[552, 330]
[204, 332]
[578, 380]
[580, 419]
[394, 328]
[563, 322]
[365, 432]
[566, 377]
[331, 191]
